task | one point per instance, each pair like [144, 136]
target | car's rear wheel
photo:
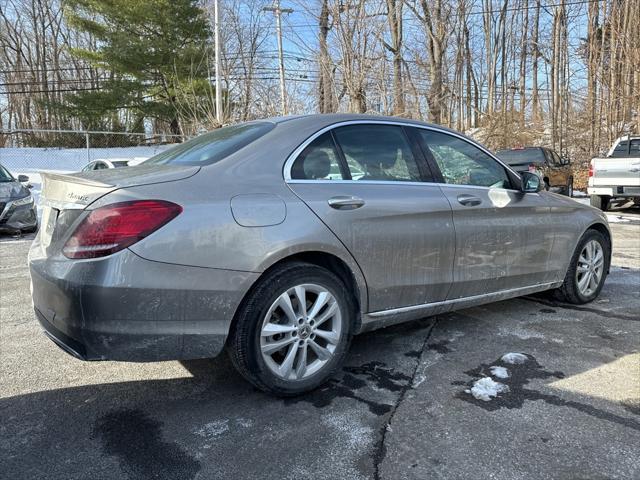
[293, 331]
[587, 270]
[600, 201]
[569, 191]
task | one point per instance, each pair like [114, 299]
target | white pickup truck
[616, 177]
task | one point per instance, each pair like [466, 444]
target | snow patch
[514, 358]
[519, 332]
[213, 429]
[356, 435]
[499, 372]
[72, 159]
[612, 218]
[486, 388]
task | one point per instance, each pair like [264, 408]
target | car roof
[265, 157]
[515, 149]
[326, 119]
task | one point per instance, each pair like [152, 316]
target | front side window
[462, 163]
[318, 161]
[377, 152]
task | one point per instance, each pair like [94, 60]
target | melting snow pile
[499, 372]
[486, 388]
[514, 358]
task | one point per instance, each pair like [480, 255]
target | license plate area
[49, 219]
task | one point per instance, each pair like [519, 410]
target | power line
[477, 12]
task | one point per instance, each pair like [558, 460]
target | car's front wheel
[587, 270]
[293, 331]
[600, 201]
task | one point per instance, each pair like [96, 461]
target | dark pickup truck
[554, 170]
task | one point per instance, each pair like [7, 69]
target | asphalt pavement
[403, 407]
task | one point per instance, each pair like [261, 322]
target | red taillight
[109, 229]
[591, 169]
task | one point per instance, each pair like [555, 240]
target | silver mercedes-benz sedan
[278, 240]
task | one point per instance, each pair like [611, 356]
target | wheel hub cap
[304, 332]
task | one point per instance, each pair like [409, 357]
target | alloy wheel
[301, 331]
[590, 268]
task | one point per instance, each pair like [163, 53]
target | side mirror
[531, 182]
[23, 178]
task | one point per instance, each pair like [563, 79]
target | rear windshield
[213, 146]
[527, 155]
[626, 148]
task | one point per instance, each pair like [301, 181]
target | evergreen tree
[156, 54]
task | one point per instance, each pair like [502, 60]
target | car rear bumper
[614, 191]
[124, 307]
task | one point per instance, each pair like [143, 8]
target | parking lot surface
[403, 407]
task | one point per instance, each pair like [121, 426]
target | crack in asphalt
[381, 449]
[567, 306]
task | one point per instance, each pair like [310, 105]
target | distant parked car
[17, 208]
[278, 240]
[105, 164]
[554, 170]
[618, 175]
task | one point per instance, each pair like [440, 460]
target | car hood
[12, 190]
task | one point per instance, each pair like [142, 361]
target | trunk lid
[615, 172]
[78, 190]
[65, 196]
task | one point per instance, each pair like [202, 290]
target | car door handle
[469, 200]
[345, 202]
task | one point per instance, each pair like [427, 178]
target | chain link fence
[32, 151]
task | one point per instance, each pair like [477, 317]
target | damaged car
[279, 240]
[17, 207]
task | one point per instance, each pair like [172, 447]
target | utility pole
[216, 28]
[278, 13]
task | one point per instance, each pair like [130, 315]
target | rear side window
[213, 146]
[626, 148]
[378, 152]
[519, 156]
[462, 163]
[318, 161]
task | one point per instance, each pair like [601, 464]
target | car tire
[253, 347]
[570, 188]
[590, 260]
[600, 201]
